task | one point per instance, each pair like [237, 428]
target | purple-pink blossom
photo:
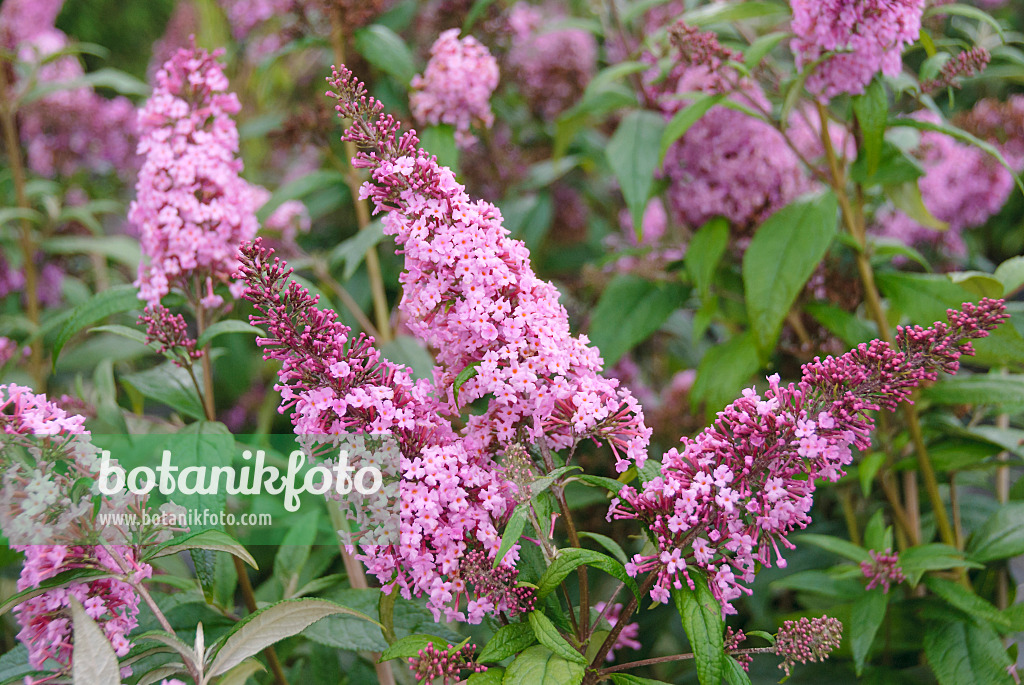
[456, 86]
[192, 209]
[868, 37]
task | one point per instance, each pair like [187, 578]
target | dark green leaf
[633, 153]
[508, 641]
[513, 529]
[121, 298]
[548, 635]
[838, 546]
[224, 327]
[704, 627]
[894, 166]
[705, 251]
[872, 110]
[727, 12]
[965, 653]
[62, 579]
[411, 645]
[630, 309]
[168, 384]
[571, 558]
[724, 371]
[538, 666]
[783, 254]
[298, 189]
[440, 141]
[1001, 536]
[683, 120]
[385, 49]
[866, 617]
[966, 601]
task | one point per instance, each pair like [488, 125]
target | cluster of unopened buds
[883, 570]
[807, 640]
[432, 664]
[171, 333]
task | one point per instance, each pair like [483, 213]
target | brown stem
[627, 613]
[249, 597]
[208, 402]
[12, 143]
[380, 302]
[854, 220]
[679, 657]
[574, 540]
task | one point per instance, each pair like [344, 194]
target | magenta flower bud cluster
[868, 35]
[171, 333]
[729, 498]
[444, 665]
[883, 570]
[192, 209]
[966, 64]
[807, 640]
[456, 86]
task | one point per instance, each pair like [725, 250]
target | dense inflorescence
[456, 86]
[192, 209]
[966, 64]
[471, 294]
[728, 498]
[868, 37]
[433, 664]
[883, 570]
[807, 640]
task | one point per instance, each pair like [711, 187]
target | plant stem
[28, 247]
[209, 407]
[380, 302]
[679, 657]
[249, 597]
[854, 220]
[627, 613]
[1003, 496]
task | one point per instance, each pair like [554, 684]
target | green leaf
[728, 12]
[93, 659]
[440, 142]
[631, 309]
[115, 79]
[120, 298]
[385, 49]
[924, 298]
[411, 645]
[293, 553]
[548, 635]
[475, 12]
[1011, 274]
[850, 328]
[761, 46]
[609, 484]
[353, 250]
[1000, 537]
[683, 120]
[123, 331]
[271, 624]
[468, 372]
[704, 627]
[62, 579]
[213, 540]
[300, 188]
[528, 217]
[571, 558]
[989, 389]
[227, 326]
[633, 153]
[513, 529]
[866, 617]
[907, 198]
[168, 384]
[408, 351]
[203, 444]
[630, 679]
[958, 596]
[931, 557]
[507, 641]
[119, 248]
[492, 676]
[978, 282]
[613, 547]
[539, 666]
[872, 111]
[837, 546]
[734, 673]
[968, 12]
[781, 257]
[705, 252]
[894, 166]
[724, 371]
[965, 653]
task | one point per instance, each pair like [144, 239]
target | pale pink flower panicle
[451, 501]
[728, 499]
[192, 208]
[456, 86]
[867, 37]
[471, 294]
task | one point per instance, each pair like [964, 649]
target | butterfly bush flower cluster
[728, 163]
[868, 37]
[336, 384]
[883, 570]
[192, 209]
[809, 639]
[456, 86]
[46, 514]
[962, 186]
[471, 294]
[966, 64]
[70, 129]
[552, 67]
[728, 498]
[433, 664]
